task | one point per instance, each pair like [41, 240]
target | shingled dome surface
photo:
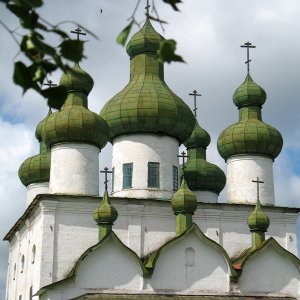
[146, 104]
[250, 135]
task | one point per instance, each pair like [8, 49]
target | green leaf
[56, 96]
[72, 50]
[123, 35]
[22, 76]
[166, 51]
[37, 73]
[48, 66]
[173, 3]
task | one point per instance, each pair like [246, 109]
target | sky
[208, 34]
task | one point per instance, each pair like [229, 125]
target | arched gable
[269, 269]
[190, 261]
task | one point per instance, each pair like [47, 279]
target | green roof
[250, 135]
[249, 93]
[147, 40]
[37, 168]
[105, 213]
[184, 200]
[146, 104]
[258, 220]
[240, 262]
[75, 122]
[199, 173]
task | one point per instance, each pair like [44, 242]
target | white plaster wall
[35, 189]
[241, 170]
[270, 272]
[30, 234]
[206, 270]
[67, 230]
[109, 267]
[140, 149]
[206, 196]
[74, 169]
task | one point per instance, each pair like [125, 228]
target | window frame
[129, 175]
[175, 178]
[153, 175]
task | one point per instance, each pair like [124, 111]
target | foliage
[44, 58]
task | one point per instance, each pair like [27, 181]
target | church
[160, 232]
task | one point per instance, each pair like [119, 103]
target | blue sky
[209, 34]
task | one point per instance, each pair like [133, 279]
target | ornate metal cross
[183, 156]
[78, 32]
[50, 83]
[106, 180]
[248, 45]
[257, 181]
[147, 8]
[194, 93]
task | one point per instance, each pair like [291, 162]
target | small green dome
[35, 169]
[147, 40]
[250, 137]
[199, 173]
[184, 200]
[258, 220]
[38, 130]
[77, 80]
[198, 138]
[202, 175]
[75, 122]
[147, 104]
[105, 213]
[249, 93]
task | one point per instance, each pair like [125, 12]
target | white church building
[161, 232]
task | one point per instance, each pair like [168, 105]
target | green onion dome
[147, 40]
[250, 135]
[199, 173]
[258, 220]
[37, 168]
[146, 104]
[75, 122]
[184, 200]
[105, 213]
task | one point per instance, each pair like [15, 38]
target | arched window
[33, 254]
[189, 257]
[15, 270]
[20, 297]
[22, 265]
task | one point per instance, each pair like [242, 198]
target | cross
[78, 32]
[147, 8]
[248, 45]
[106, 180]
[257, 181]
[50, 83]
[183, 156]
[194, 93]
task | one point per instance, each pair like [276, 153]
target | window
[30, 293]
[33, 254]
[22, 264]
[20, 297]
[175, 178]
[153, 174]
[127, 176]
[112, 179]
[189, 257]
